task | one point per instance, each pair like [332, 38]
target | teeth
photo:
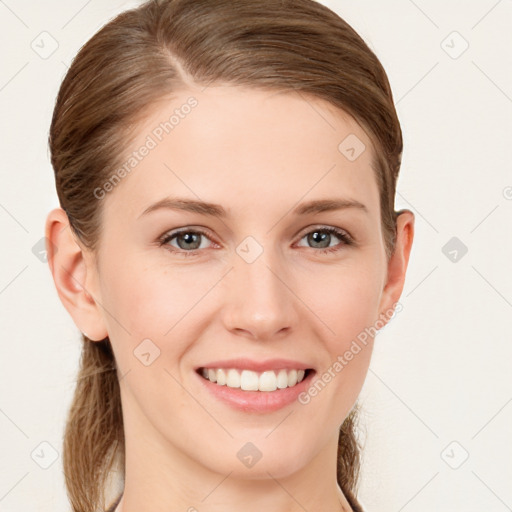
[249, 381]
[221, 377]
[282, 379]
[253, 381]
[233, 379]
[268, 381]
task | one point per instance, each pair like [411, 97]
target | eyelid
[322, 227]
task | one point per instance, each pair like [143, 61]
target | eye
[188, 240]
[322, 236]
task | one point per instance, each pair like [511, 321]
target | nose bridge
[259, 301]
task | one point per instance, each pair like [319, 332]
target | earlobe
[397, 264]
[72, 276]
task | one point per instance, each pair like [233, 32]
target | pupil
[323, 237]
[189, 238]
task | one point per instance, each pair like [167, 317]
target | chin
[254, 461]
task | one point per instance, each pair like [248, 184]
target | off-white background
[439, 386]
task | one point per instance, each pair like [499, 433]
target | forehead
[246, 146]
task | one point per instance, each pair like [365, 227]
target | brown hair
[147, 53]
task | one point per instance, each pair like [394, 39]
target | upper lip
[243, 363]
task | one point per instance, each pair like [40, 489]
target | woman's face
[253, 288]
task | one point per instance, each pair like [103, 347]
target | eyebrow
[216, 210]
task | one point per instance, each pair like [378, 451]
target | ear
[397, 264]
[74, 274]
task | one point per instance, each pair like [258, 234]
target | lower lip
[257, 401]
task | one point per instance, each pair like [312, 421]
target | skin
[258, 154]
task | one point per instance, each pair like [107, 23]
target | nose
[260, 302]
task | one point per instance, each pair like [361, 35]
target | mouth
[265, 381]
[255, 386]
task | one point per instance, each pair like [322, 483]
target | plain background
[437, 401]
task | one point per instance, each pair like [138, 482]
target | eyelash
[342, 235]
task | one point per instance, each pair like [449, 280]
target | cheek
[345, 300]
[154, 303]
[149, 301]
[347, 305]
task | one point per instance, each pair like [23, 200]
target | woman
[227, 171]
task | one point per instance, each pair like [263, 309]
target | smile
[248, 380]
